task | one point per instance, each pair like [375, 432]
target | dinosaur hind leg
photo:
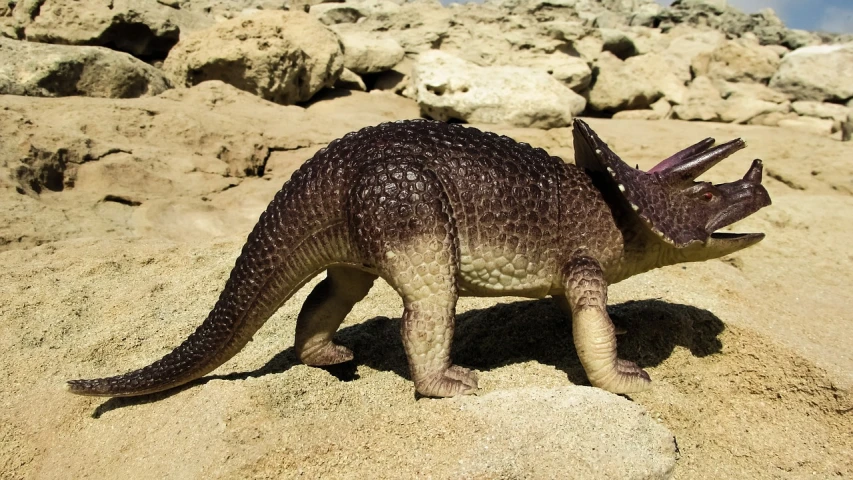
[404, 221]
[322, 314]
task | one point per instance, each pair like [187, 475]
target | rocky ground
[133, 166]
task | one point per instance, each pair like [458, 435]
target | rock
[847, 128]
[618, 43]
[751, 90]
[620, 85]
[832, 111]
[580, 38]
[795, 38]
[397, 79]
[447, 88]
[44, 70]
[227, 9]
[634, 447]
[143, 28]
[608, 20]
[820, 73]
[716, 14]
[284, 57]
[350, 80]
[660, 110]
[702, 102]
[370, 52]
[659, 70]
[817, 126]
[737, 61]
[738, 109]
[574, 72]
[772, 119]
[351, 12]
[687, 43]
[335, 13]
[645, 15]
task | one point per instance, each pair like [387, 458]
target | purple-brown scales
[439, 211]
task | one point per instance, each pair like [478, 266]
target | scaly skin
[439, 211]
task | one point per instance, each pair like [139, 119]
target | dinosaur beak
[742, 198]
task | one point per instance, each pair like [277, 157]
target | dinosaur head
[679, 210]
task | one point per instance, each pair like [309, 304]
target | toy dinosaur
[439, 211]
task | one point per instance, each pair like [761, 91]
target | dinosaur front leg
[594, 333]
[322, 314]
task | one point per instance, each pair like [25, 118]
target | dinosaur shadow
[501, 335]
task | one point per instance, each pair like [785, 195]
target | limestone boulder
[816, 126]
[350, 12]
[738, 109]
[449, 88]
[737, 61]
[666, 73]
[335, 13]
[574, 72]
[620, 85]
[833, 111]
[350, 80]
[284, 57]
[718, 15]
[820, 73]
[143, 28]
[618, 43]
[369, 52]
[750, 90]
[659, 110]
[686, 43]
[702, 102]
[43, 70]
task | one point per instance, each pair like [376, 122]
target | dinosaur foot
[328, 354]
[454, 381]
[626, 377]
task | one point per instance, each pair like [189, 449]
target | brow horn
[695, 160]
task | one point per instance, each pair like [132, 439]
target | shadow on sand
[502, 335]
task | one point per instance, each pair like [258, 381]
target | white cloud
[837, 19]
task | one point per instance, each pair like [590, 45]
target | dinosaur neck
[642, 251]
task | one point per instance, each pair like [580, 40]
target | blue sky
[826, 15]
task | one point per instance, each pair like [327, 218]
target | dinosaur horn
[691, 166]
[753, 175]
[683, 155]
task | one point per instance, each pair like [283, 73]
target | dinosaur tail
[287, 247]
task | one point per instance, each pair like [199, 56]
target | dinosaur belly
[497, 272]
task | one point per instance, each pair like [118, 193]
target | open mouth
[735, 236]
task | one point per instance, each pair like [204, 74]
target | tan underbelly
[496, 272]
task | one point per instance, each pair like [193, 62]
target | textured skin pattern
[437, 211]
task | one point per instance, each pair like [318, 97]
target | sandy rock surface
[750, 355]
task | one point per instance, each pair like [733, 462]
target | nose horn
[753, 175]
[701, 162]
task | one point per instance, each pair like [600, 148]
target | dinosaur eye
[707, 195]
